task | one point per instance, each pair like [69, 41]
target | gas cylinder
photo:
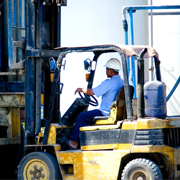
[155, 99]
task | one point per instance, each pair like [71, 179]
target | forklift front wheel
[141, 169]
[39, 165]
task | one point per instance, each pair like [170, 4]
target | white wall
[166, 40]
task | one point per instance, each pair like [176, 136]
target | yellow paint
[57, 147]
[111, 119]
[129, 125]
[124, 146]
[51, 77]
[40, 135]
[52, 135]
[100, 146]
[15, 116]
[151, 123]
[42, 98]
[91, 165]
[100, 127]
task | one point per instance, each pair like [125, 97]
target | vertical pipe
[140, 87]
[140, 93]
[151, 20]
[127, 59]
[131, 27]
[125, 27]
[133, 79]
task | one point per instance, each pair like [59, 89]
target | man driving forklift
[107, 89]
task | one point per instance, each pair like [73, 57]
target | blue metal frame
[131, 10]
[9, 32]
[30, 69]
[173, 89]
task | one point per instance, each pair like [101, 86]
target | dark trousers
[84, 119]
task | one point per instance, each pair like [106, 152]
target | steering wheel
[87, 99]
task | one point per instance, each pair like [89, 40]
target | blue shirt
[108, 89]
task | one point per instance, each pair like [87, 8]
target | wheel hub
[140, 175]
[36, 170]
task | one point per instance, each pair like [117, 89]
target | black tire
[144, 169]
[39, 165]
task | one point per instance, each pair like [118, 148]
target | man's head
[112, 67]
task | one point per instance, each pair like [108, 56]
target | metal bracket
[42, 53]
[13, 64]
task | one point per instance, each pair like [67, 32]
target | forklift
[137, 140]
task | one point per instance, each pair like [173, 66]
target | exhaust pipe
[140, 89]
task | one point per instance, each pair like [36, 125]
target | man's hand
[78, 90]
[88, 91]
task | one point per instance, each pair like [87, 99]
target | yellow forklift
[136, 142]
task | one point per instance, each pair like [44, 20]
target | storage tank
[155, 99]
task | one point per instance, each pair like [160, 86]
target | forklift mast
[29, 31]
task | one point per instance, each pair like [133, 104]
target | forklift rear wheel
[39, 165]
[141, 169]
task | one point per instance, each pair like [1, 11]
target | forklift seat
[118, 108]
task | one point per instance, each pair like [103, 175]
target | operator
[107, 89]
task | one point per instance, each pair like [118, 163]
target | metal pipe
[133, 78]
[151, 27]
[165, 13]
[157, 68]
[140, 86]
[130, 10]
[142, 7]
[173, 89]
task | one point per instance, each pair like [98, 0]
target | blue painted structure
[131, 10]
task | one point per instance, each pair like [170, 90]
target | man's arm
[87, 91]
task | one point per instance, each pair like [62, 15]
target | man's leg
[84, 119]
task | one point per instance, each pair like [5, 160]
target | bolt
[42, 175]
[32, 178]
[41, 169]
[31, 172]
[35, 167]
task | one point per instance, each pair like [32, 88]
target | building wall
[166, 40]
[93, 22]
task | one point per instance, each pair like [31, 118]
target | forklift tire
[143, 169]
[39, 165]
